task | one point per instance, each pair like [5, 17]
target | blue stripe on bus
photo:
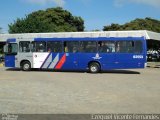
[11, 40]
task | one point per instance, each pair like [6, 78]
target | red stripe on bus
[61, 62]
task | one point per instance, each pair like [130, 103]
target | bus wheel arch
[25, 65]
[94, 67]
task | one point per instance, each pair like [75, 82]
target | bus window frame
[113, 41]
[11, 53]
[35, 49]
[88, 41]
[29, 47]
[61, 44]
[142, 47]
[65, 47]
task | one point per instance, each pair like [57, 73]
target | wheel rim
[26, 66]
[93, 68]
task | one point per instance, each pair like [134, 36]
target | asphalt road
[132, 91]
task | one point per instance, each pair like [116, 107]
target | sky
[96, 13]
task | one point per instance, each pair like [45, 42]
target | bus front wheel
[26, 66]
[94, 67]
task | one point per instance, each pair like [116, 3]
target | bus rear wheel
[94, 67]
[26, 66]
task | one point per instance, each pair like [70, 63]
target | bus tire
[94, 67]
[26, 66]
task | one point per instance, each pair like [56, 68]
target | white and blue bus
[76, 53]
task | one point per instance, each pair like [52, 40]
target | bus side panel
[72, 61]
[84, 59]
[80, 61]
[49, 60]
[22, 56]
[41, 60]
[58, 61]
[76, 61]
[9, 60]
[107, 61]
[127, 61]
[132, 60]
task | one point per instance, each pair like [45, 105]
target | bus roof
[136, 33]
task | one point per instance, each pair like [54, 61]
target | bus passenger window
[49, 50]
[71, 46]
[125, 46]
[121, 47]
[65, 49]
[38, 47]
[24, 46]
[118, 47]
[88, 46]
[41, 47]
[130, 46]
[106, 47]
[75, 49]
[138, 47]
[54, 46]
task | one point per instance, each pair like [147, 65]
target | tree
[49, 20]
[112, 27]
[137, 24]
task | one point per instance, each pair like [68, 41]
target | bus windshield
[11, 48]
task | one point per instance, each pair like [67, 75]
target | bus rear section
[126, 53]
